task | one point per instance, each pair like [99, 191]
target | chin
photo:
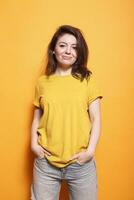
[67, 63]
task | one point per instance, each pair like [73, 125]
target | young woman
[67, 121]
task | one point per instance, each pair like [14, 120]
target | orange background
[26, 28]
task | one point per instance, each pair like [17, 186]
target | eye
[75, 47]
[61, 45]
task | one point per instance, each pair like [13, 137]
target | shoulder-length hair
[79, 68]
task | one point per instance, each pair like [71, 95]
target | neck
[62, 72]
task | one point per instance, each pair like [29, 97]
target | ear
[53, 52]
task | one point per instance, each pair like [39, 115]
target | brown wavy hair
[79, 68]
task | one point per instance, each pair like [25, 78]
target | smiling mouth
[66, 58]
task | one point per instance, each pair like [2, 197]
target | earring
[53, 52]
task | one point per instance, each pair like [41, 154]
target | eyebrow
[66, 43]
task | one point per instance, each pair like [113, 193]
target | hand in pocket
[40, 151]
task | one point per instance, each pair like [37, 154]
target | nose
[68, 50]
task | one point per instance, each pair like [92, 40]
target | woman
[66, 123]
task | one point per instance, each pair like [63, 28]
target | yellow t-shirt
[64, 127]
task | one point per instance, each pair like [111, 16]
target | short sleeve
[94, 90]
[36, 95]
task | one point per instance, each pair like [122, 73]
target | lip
[66, 57]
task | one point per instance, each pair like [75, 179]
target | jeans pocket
[80, 164]
[40, 158]
[94, 162]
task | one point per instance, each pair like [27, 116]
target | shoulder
[91, 78]
[92, 81]
[41, 79]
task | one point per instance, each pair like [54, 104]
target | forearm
[34, 134]
[95, 135]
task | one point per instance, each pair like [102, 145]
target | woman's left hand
[82, 157]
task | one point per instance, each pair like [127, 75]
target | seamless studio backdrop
[26, 28]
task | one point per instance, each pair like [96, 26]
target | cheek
[75, 55]
[58, 51]
[58, 54]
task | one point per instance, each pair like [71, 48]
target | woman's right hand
[39, 151]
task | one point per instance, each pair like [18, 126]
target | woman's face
[65, 50]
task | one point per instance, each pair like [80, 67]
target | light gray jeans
[81, 180]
